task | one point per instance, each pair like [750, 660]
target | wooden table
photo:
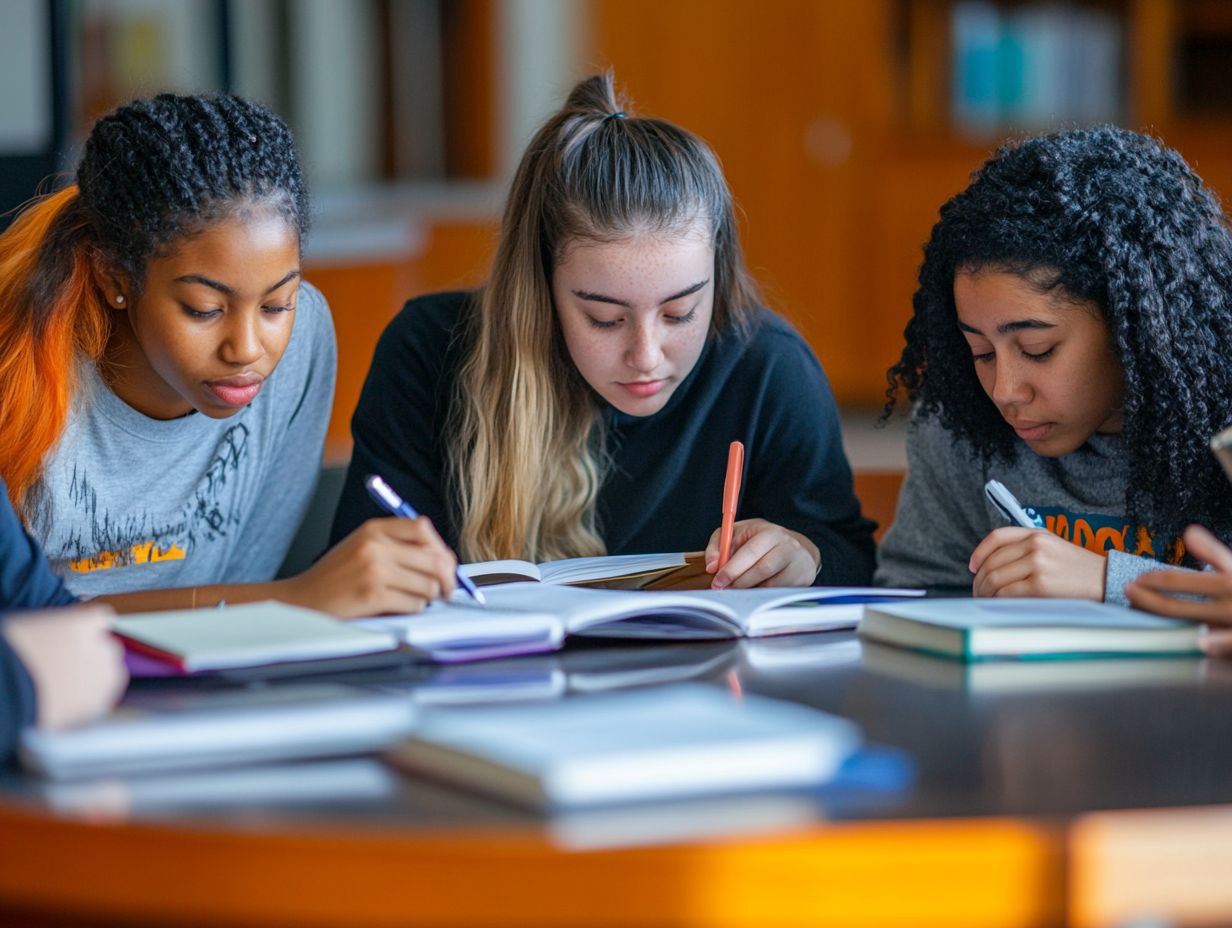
[1041, 797]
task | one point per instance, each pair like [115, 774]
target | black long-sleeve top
[663, 490]
[26, 582]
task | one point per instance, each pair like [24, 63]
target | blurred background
[842, 124]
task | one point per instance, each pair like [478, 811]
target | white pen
[1007, 504]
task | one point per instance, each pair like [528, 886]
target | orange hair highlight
[51, 316]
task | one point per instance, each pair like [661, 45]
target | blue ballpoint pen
[385, 496]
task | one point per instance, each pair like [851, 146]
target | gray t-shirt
[943, 513]
[133, 503]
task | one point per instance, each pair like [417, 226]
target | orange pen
[731, 493]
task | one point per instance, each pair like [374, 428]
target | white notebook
[248, 635]
[638, 745]
[523, 618]
[184, 730]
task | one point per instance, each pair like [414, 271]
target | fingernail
[719, 583]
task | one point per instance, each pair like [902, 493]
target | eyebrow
[230, 291]
[602, 298]
[1006, 328]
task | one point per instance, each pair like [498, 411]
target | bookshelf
[982, 69]
[1160, 63]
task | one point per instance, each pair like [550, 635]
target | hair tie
[617, 115]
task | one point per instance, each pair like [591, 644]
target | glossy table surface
[1001, 760]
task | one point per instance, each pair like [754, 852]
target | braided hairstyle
[154, 172]
[1116, 218]
[159, 170]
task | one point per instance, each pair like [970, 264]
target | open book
[527, 618]
[622, 571]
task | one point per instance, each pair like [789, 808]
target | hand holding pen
[754, 552]
[383, 567]
[394, 504]
[1025, 559]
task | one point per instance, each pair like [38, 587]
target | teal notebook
[982, 629]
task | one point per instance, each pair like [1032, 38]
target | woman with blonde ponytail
[582, 401]
[166, 376]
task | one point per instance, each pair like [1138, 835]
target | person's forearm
[196, 597]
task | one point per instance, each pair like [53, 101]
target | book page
[457, 631]
[787, 610]
[610, 567]
[623, 613]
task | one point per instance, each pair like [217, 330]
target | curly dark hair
[1114, 217]
[159, 169]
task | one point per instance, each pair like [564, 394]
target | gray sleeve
[941, 514]
[1122, 569]
[305, 399]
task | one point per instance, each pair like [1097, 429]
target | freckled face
[1047, 362]
[212, 321]
[635, 313]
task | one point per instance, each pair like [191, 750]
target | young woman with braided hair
[166, 376]
[582, 401]
[1070, 338]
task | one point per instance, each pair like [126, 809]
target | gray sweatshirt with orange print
[943, 514]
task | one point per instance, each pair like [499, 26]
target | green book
[989, 629]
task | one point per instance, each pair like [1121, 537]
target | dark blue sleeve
[26, 580]
[16, 699]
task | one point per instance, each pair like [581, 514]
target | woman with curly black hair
[166, 376]
[1071, 336]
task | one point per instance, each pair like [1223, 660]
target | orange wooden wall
[364, 297]
[830, 119]
[796, 99]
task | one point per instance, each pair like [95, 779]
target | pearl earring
[119, 299]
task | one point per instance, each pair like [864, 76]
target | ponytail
[51, 318]
[527, 448]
